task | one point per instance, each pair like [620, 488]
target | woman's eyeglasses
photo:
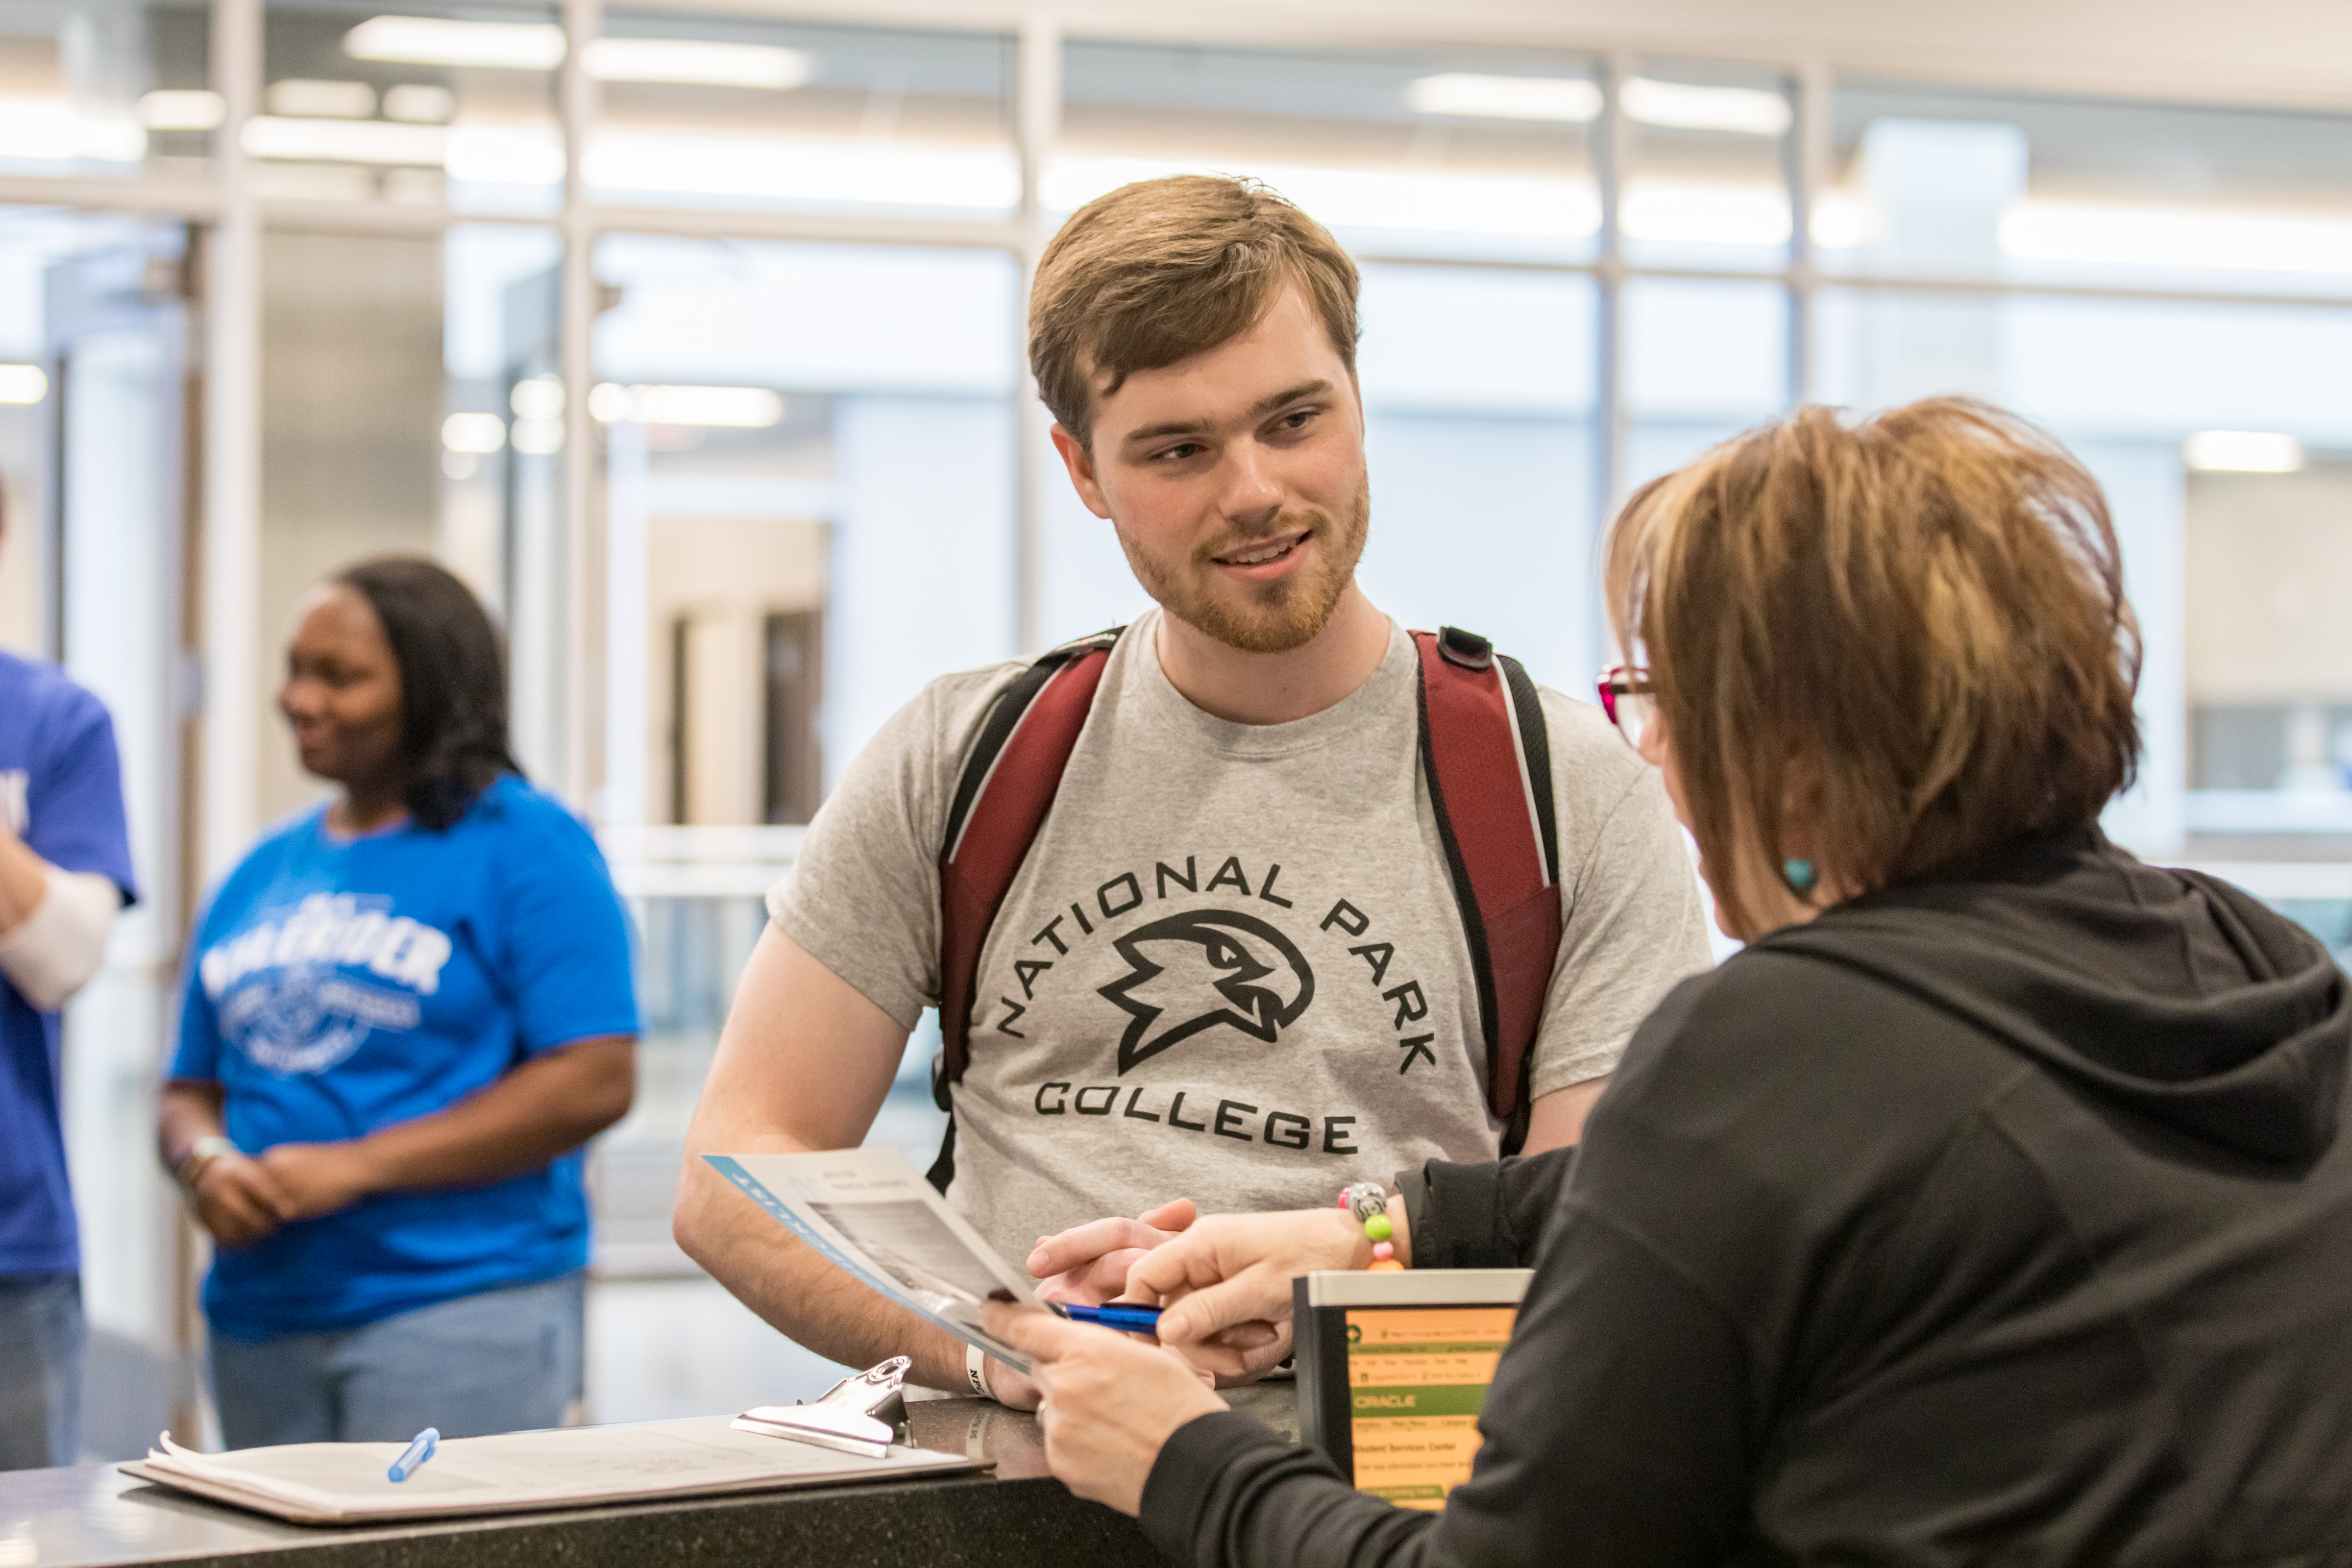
[1629, 701]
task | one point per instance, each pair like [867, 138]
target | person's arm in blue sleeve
[62, 879]
[567, 972]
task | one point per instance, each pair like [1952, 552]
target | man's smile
[1257, 557]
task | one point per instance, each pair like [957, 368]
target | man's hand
[1089, 1263]
[320, 1178]
[1226, 1281]
[1111, 1401]
[238, 1201]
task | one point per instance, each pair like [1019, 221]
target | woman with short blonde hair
[1991, 1205]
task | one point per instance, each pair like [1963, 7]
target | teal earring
[1800, 873]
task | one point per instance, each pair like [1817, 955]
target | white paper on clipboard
[870, 1212]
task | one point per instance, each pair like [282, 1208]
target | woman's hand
[320, 1178]
[1226, 1281]
[1089, 1263]
[238, 1200]
[1111, 1401]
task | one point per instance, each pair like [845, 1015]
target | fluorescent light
[828, 170]
[539, 437]
[182, 108]
[420, 103]
[345, 140]
[507, 154]
[46, 128]
[1442, 201]
[541, 397]
[2112, 234]
[1689, 212]
[2243, 452]
[473, 432]
[697, 62]
[732, 408]
[438, 41]
[1839, 222]
[1746, 111]
[22, 384]
[324, 99]
[539, 46]
[1503, 97]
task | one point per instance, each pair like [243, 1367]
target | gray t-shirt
[1231, 967]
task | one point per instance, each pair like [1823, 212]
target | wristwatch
[201, 1152]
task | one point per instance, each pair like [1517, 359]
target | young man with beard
[1231, 965]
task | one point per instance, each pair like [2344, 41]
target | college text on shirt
[284, 991]
[1194, 968]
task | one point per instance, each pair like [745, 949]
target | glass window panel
[1452, 153]
[714, 111]
[809, 516]
[99, 91]
[1705, 359]
[413, 104]
[1946, 182]
[1477, 387]
[1706, 178]
[2245, 695]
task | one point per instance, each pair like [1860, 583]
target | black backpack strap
[1487, 754]
[1002, 798]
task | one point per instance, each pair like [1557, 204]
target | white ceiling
[2249, 51]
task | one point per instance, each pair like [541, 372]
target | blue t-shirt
[336, 986]
[61, 790]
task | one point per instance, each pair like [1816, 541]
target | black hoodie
[2002, 1216]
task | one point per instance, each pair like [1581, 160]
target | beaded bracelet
[1368, 1204]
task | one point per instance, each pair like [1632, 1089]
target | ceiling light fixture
[473, 432]
[1571, 98]
[440, 41]
[289, 139]
[698, 63]
[1683, 106]
[23, 383]
[725, 407]
[539, 46]
[2243, 452]
[182, 108]
[320, 99]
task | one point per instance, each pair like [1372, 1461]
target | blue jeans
[40, 1370]
[504, 1361]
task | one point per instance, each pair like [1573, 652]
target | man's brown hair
[1907, 638]
[1163, 269]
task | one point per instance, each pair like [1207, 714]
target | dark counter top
[93, 1516]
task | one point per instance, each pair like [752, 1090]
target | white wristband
[975, 1371]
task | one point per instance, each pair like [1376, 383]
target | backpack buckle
[1467, 649]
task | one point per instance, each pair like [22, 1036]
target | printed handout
[871, 1213]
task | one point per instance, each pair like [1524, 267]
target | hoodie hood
[2170, 995]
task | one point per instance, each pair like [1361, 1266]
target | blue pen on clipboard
[1133, 1316]
[413, 1458]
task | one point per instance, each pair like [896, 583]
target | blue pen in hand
[1131, 1316]
[417, 1452]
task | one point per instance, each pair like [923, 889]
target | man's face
[1235, 479]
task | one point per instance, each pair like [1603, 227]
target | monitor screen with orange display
[1393, 1371]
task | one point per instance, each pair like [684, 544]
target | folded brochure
[872, 1214]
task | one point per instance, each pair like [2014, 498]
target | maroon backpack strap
[1002, 798]
[1487, 754]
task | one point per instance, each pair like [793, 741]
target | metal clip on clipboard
[860, 1414]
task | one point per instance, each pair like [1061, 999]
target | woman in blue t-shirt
[405, 1013]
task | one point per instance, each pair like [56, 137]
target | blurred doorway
[117, 531]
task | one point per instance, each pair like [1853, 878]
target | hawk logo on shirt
[1194, 971]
